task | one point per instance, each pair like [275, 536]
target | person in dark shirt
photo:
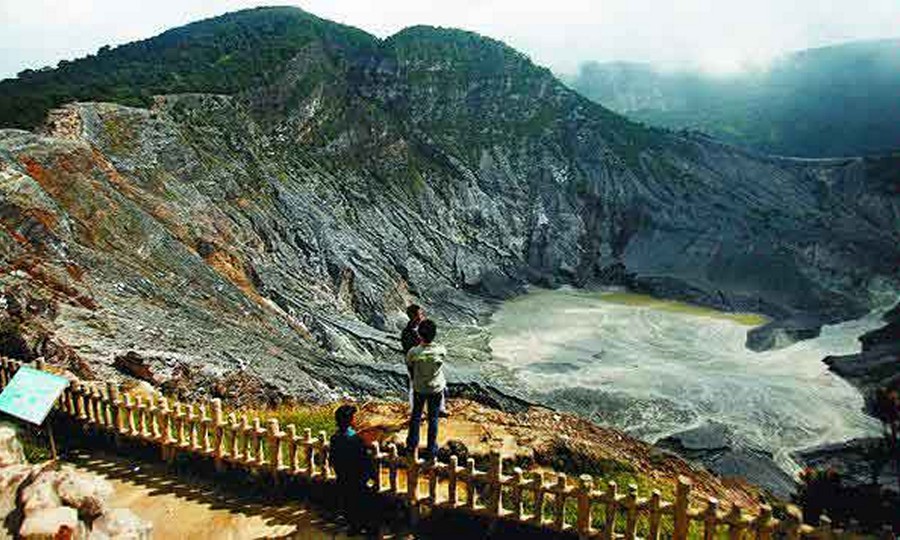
[409, 338]
[353, 466]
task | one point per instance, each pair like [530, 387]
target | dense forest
[224, 55]
[833, 101]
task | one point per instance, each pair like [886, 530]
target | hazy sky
[716, 35]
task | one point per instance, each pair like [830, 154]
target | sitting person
[426, 362]
[354, 468]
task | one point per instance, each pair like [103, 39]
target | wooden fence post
[682, 501]
[78, 389]
[274, 440]
[762, 525]
[824, 532]
[310, 452]
[129, 416]
[495, 481]
[612, 508]
[518, 480]
[540, 492]
[326, 453]
[154, 419]
[412, 477]
[392, 468]
[293, 439]
[452, 471]
[631, 512]
[736, 522]
[206, 430]
[377, 462]
[559, 517]
[792, 522]
[433, 474]
[234, 427]
[218, 423]
[179, 430]
[583, 520]
[471, 493]
[96, 407]
[710, 518]
[655, 515]
[165, 425]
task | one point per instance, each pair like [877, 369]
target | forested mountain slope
[833, 101]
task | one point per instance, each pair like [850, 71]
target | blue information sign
[31, 394]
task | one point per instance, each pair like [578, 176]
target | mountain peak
[223, 55]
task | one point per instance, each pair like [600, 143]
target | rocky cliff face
[283, 229]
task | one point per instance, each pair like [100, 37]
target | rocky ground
[46, 500]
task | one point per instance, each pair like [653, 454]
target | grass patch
[315, 417]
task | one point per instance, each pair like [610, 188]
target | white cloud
[717, 34]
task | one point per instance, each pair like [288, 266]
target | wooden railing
[584, 507]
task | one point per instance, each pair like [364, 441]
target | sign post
[30, 396]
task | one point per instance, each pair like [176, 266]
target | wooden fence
[584, 507]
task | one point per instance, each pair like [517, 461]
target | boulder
[121, 524]
[50, 524]
[11, 479]
[131, 363]
[40, 494]
[87, 493]
[784, 333]
[11, 451]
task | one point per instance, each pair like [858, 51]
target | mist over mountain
[308, 180]
[826, 102]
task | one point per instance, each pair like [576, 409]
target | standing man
[426, 361]
[409, 338]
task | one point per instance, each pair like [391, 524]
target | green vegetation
[316, 417]
[224, 55]
[834, 101]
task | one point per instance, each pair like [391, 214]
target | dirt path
[198, 509]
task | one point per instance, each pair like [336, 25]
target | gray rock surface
[878, 364]
[281, 232]
[851, 459]
[784, 332]
[714, 446]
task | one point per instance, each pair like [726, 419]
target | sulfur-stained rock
[121, 524]
[49, 524]
[87, 493]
